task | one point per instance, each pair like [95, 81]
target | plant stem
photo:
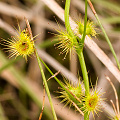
[108, 41]
[105, 34]
[46, 86]
[79, 51]
[85, 24]
[67, 24]
[84, 71]
[85, 77]
[41, 70]
[60, 83]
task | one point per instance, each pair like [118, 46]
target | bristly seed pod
[92, 102]
[65, 42]
[20, 44]
[90, 28]
[75, 91]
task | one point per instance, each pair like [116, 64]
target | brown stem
[91, 6]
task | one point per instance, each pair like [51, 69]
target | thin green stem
[85, 24]
[82, 61]
[105, 34]
[108, 41]
[84, 71]
[85, 77]
[67, 23]
[46, 86]
[60, 83]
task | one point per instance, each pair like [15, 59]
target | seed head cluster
[86, 103]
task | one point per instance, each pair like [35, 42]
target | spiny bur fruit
[20, 44]
[90, 28]
[92, 102]
[65, 42]
[75, 91]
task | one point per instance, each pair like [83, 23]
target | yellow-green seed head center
[92, 102]
[88, 29]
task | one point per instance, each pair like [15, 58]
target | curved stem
[105, 34]
[46, 86]
[108, 41]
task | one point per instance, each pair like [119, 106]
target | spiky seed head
[20, 44]
[76, 92]
[92, 102]
[90, 28]
[65, 42]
